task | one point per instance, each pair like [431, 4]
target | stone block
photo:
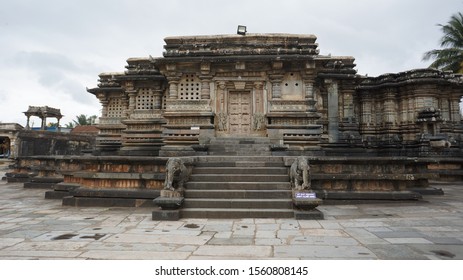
[305, 199]
[169, 203]
[314, 214]
[166, 215]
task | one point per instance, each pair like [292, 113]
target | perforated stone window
[115, 108]
[189, 87]
[145, 99]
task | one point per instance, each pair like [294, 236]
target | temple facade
[275, 87]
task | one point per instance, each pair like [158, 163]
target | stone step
[239, 150]
[239, 164]
[238, 213]
[241, 170]
[240, 140]
[240, 158]
[237, 203]
[238, 185]
[238, 178]
[234, 194]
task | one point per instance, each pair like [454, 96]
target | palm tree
[450, 57]
[82, 120]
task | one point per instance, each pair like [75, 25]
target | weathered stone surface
[169, 203]
[167, 214]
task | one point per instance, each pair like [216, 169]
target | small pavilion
[43, 112]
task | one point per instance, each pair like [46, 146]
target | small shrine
[43, 112]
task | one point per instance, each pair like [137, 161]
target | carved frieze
[188, 105]
[288, 106]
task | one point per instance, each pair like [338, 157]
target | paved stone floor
[32, 227]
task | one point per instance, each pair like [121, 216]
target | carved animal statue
[440, 144]
[177, 172]
[299, 174]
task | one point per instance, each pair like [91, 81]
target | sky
[52, 50]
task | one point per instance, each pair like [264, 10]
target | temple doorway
[240, 112]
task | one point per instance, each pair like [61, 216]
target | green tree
[450, 57]
[82, 120]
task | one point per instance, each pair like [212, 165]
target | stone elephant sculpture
[300, 174]
[176, 174]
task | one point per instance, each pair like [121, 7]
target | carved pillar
[348, 104]
[173, 88]
[455, 109]
[259, 97]
[104, 104]
[333, 111]
[132, 100]
[221, 106]
[389, 107]
[276, 81]
[310, 96]
[444, 106]
[157, 103]
[205, 87]
[27, 125]
[366, 110]
[205, 77]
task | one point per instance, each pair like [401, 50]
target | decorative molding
[288, 106]
[188, 105]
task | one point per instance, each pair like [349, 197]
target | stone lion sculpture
[299, 174]
[177, 172]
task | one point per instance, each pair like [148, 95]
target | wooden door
[239, 110]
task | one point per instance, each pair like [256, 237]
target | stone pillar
[333, 111]
[348, 104]
[389, 108]
[455, 109]
[276, 81]
[259, 97]
[221, 97]
[173, 88]
[57, 124]
[157, 99]
[366, 110]
[205, 87]
[27, 124]
[444, 106]
[310, 96]
[104, 104]
[44, 123]
[132, 100]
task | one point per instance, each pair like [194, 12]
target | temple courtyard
[32, 227]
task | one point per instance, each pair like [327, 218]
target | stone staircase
[256, 146]
[238, 187]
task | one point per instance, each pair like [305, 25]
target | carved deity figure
[222, 121]
[176, 172]
[258, 122]
[299, 174]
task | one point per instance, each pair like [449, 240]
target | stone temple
[276, 88]
[258, 126]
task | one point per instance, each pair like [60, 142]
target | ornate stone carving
[222, 120]
[176, 174]
[288, 106]
[258, 122]
[188, 105]
[300, 174]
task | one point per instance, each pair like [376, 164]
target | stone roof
[250, 44]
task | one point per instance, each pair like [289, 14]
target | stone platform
[34, 228]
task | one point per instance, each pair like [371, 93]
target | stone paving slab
[34, 228]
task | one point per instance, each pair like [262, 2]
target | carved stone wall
[270, 85]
